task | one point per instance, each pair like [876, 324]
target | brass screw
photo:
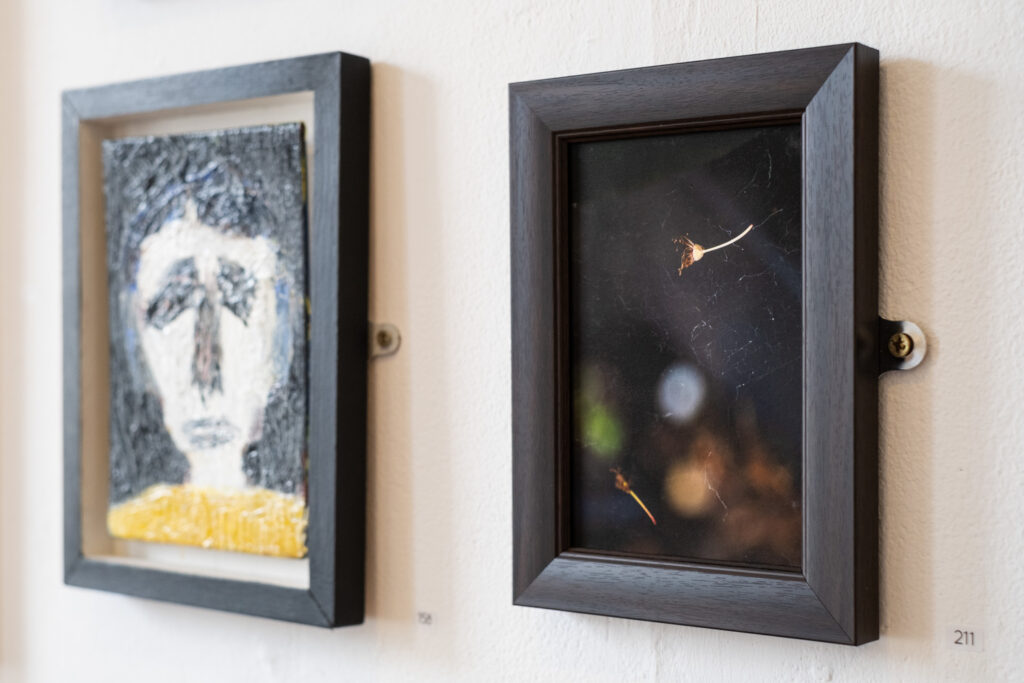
[900, 345]
[384, 339]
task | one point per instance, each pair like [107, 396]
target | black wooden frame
[833, 93]
[338, 269]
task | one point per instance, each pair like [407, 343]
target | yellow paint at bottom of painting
[253, 521]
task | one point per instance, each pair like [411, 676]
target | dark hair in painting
[247, 182]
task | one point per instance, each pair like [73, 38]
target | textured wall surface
[439, 521]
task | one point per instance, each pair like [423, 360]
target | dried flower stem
[623, 485]
[693, 252]
[737, 238]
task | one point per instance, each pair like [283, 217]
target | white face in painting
[206, 310]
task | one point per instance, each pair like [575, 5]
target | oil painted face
[207, 314]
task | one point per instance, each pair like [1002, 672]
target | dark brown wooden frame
[338, 271]
[833, 93]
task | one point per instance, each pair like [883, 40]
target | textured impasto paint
[206, 243]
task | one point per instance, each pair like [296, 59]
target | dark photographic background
[688, 385]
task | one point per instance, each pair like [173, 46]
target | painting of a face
[206, 308]
[206, 256]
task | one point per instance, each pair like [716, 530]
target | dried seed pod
[692, 253]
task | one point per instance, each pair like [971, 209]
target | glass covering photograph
[685, 281]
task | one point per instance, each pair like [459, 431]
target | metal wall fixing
[902, 345]
[384, 339]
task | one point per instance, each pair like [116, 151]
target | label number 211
[963, 637]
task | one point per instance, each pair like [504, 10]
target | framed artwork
[215, 337]
[695, 341]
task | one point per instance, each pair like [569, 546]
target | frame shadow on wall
[408, 234]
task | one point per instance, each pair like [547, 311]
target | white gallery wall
[439, 518]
